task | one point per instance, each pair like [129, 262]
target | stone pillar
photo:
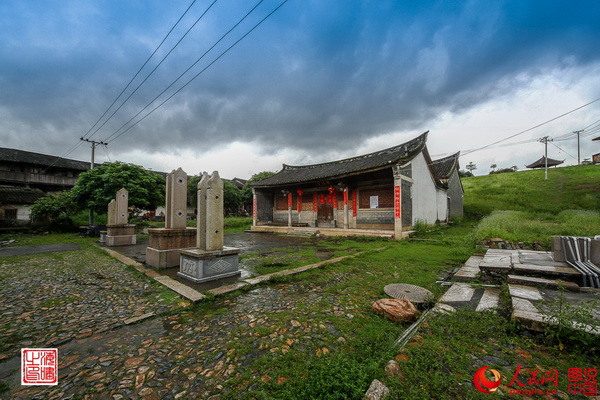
[118, 231]
[210, 260]
[335, 206]
[122, 207]
[299, 204]
[165, 244]
[346, 208]
[214, 213]
[112, 213]
[315, 207]
[201, 219]
[176, 200]
[289, 201]
[254, 210]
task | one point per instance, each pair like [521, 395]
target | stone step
[468, 271]
[458, 292]
[565, 271]
[542, 282]
[490, 300]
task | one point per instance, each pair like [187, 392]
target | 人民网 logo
[483, 384]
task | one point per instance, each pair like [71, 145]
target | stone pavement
[187, 357]
[534, 291]
[47, 300]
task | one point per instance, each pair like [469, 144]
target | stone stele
[210, 260]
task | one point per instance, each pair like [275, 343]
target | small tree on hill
[247, 190]
[95, 188]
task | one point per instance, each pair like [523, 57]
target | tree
[95, 188]
[493, 167]
[464, 174]
[471, 167]
[247, 190]
[53, 206]
[232, 195]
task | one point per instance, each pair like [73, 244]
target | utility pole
[94, 143]
[578, 154]
[545, 140]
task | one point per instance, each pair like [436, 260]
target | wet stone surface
[191, 355]
[48, 300]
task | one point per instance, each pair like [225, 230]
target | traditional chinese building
[381, 193]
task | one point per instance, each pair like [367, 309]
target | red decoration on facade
[315, 201]
[354, 203]
[300, 192]
[321, 199]
[290, 200]
[345, 196]
[334, 195]
[397, 201]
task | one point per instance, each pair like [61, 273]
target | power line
[154, 69]
[185, 72]
[195, 76]
[532, 128]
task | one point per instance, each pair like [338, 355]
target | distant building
[447, 170]
[388, 191]
[596, 158]
[41, 171]
[541, 163]
[26, 176]
[15, 204]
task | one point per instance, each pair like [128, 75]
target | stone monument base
[204, 265]
[120, 235]
[165, 246]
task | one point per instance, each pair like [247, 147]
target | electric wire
[532, 128]
[155, 68]
[195, 76]
[184, 72]
[138, 72]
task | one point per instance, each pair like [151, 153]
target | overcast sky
[316, 81]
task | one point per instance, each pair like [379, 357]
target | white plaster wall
[23, 213]
[424, 192]
[442, 205]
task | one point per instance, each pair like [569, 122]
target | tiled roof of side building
[351, 166]
[44, 160]
[444, 167]
[19, 195]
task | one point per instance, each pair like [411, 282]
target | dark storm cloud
[315, 75]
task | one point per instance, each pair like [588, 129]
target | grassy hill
[568, 188]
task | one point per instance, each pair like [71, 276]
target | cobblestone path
[47, 300]
[181, 356]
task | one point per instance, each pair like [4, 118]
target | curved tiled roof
[19, 195]
[28, 157]
[444, 167]
[541, 163]
[350, 166]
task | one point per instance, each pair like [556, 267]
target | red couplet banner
[397, 200]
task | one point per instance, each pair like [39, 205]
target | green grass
[575, 187]
[441, 360]
[520, 226]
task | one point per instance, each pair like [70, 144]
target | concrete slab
[228, 288]
[181, 289]
[473, 262]
[542, 282]
[524, 292]
[490, 300]
[458, 292]
[523, 305]
[547, 270]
